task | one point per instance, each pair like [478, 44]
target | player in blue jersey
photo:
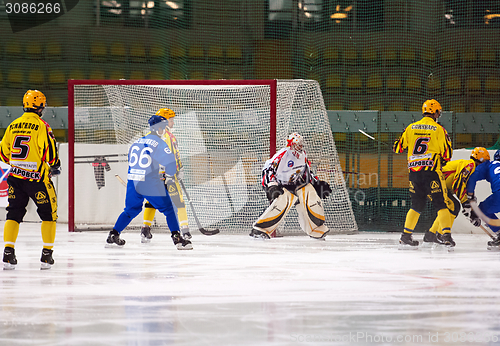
[144, 182]
[489, 171]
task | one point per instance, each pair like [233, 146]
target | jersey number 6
[144, 159]
[421, 145]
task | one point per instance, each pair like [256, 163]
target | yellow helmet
[166, 113]
[431, 106]
[34, 99]
[480, 154]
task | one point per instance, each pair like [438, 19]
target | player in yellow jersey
[30, 148]
[456, 174]
[429, 146]
[171, 184]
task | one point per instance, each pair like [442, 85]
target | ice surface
[235, 290]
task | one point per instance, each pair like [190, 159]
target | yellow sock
[48, 234]
[10, 232]
[444, 220]
[149, 215]
[411, 220]
[435, 226]
[183, 217]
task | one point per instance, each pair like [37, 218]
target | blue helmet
[155, 122]
[496, 157]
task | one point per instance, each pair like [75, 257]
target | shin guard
[311, 212]
[269, 221]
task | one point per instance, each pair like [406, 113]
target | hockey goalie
[288, 181]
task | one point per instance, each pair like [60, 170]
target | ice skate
[185, 233]
[493, 245]
[9, 258]
[46, 259]
[114, 239]
[446, 241]
[406, 242]
[181, 243]
[146, 234]
[431, 240]
[258, 234]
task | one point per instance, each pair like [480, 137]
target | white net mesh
[224, 137]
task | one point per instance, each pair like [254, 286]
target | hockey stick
[487, 232]
[120, 180]
[492, 222]
[201, 229]
[373, 138]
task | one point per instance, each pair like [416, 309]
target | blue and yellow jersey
[428, 144]
[172, 143]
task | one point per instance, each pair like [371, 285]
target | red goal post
[226, 130]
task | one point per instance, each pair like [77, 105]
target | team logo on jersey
[41, 197]
[434, 185]
[290, 163]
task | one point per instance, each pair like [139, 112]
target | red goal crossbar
[272, 83]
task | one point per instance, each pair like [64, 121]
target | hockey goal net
[226, 130]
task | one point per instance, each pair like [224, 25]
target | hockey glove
[474, 219]
[180, 174]
[274, 191]
[466, 209]
[322, 189]
[54, 171]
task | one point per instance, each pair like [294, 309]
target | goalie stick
[492, 222]
[120, 180]
[373, 138]
[201, 229]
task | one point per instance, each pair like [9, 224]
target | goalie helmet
[157, 123]
[34, 100]
[295, 142]
[496, 157]
[431, 107]
[480, 154]
[167, 113]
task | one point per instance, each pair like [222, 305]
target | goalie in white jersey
[288, 181]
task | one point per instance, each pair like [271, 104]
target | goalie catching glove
[322, 188]
[273, 192]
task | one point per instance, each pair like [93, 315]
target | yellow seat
[433, 84]
[196, 75]
[57, 79]
[76, 74]
[350, 55]
[469, 56]
[331, 55]
[137, 52]
[429, 56]
[488, 57]
[36, 78]
[98, 51]
[118, 52]
[408, 56]
[473, 85]
[215, 54]
[492, 85]
[390, 55]
[177, 75]
[333, 83]
[54, 50]
[453, 85]
[15, 78]
[393, 83]
[157, 53]
[369, 56]
[117, 74]
[374, 83]
[449, 57]
[34, 50]
[137, 75]
[97, 74]
[413, 84]
[13, 49]
[354, 84]
[311, 54]
[234, 55]
[157, 74]
[196, 52]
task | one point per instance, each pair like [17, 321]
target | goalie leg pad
[311, 212]
[269, 221]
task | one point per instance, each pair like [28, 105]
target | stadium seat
[97, 74]
[413, 84]
[390, 55]
[393, 83]
[449, 56]
[495, 107]
[118, 52]
[487, 57]
[374, 83]
[473, 85]
[331, 55]
[369, 56]
[429, 56]
[492, 85]
[469, 56]
[33, 50]
[196, 53]
[354, 84]
[350, 55]
[234, 55]
[215, 54]
[13, 50]
[408, 56]
[76, 74]
[137, 75]
[177, 75]
[117, 74]
[433, 84]
[57, 79]
[333, 83]
[196, 75]
[54, 50]
[453, 85]
[137, 52]
[98, 51]
[157, 74]
[15, 78]
[311, 54]
[36, 79]
[157, 53]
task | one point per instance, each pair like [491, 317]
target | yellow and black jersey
[456, 174]
[171, 141]
[29, 147]
[428, 144]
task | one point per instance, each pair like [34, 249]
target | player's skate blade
[145, 240]
[493, 247]
[8, 266]
[146, 234]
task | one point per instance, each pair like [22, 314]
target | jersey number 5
[421, 145]
[20, 148]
